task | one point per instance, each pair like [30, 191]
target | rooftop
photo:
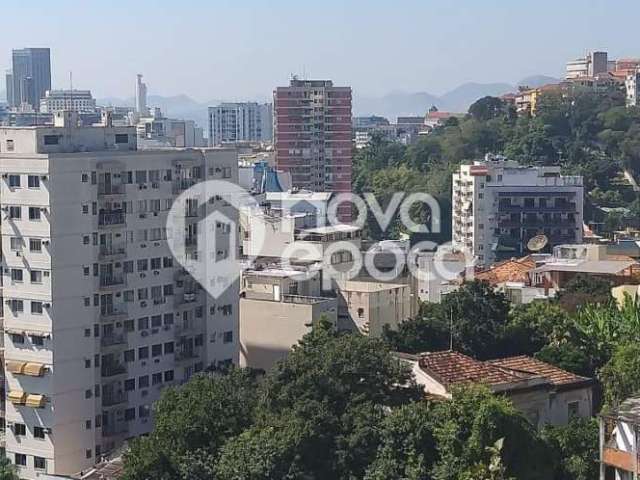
[525, 364]
[628, 411]
[369, 287]
[513, 270]
[339, 228]
[602, 267]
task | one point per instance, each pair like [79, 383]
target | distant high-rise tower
[313, 135]
[141, 96]
[31, 76]
[9, 86]
[240, 122]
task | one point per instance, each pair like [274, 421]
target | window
[34, 213]
[16, 274]
[168, 318]
[129, 384]
[87, 424]
[143, 352]
[19, 429]
[33, 181]
[10, 145]
[36, 307]
[88, 393]
[156, 321]
[128, 326]
[227, 337]
[156, 263]
[156, 350]
[38, 432]
[129, 414]
[21, 459]
[127, 267]
[573, 409]
[15, 213]
[35, 245]
[14, 180]
[167, 262]
[168, 289]
[168, 376]
[143, 294]
[141, 176]
[156, 378]
[87, 363]
[39, 463]
[128, 296]
[168, 348]
[122, 138]
[88, 453]
[198, 340]
[143, 323]
[143, 265]
[16, 305]
[37, 340]
[129, 356]
[143, 382]
[16, 243]
[144, 411]
[36, 276]
[51, 139]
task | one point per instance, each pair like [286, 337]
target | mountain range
[391, 105]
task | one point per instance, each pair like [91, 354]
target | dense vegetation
[587, 133]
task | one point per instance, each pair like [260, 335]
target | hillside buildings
[594, 63]
[99, 316]
[619, 446]
[313, 135]
[30, 78]
[499, 205]
[240, 122]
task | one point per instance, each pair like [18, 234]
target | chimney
[66, 119]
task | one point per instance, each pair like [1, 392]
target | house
[619, 435]
[543, 393]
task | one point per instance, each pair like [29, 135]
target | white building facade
[99, 315]
[499, 205]
[80, 101]
[631, 85]
[240, 122]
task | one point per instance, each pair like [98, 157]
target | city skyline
[359, 44]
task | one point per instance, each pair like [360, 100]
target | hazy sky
[241, 49]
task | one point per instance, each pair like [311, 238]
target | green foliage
[577, 449]
[620, 377]
[7, 469]
[583, 289]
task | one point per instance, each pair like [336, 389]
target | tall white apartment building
[499, 205]
[632, 83]
[240, 122]
[100, 317]
[80, 101]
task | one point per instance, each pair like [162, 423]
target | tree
[487, 108]
[620, 377]
[583, 289]
[576, 447]
[7, 469]
[474, 420]
[192, 423]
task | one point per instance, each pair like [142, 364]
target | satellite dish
[537, 243]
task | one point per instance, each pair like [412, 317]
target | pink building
[313, 136]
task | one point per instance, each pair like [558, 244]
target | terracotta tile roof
[514, 270]
[453, 368]
[555, 375]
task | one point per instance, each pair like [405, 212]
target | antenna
[451, 329]
[537, 243]
[70, 90]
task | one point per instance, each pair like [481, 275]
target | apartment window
[16, 305]
[143, 294]
[10, 145]
[129, 384]
[37, 340]
[36, 308]
[156, 378]
[87, 363]
[198, 341]
[143, 323]
[87, 332]
[21, 459]
[87, 424]
[141, 176]
[128, 326]
[51, 139]
[127, 267]
[36, 276]
[156, 350]
[15, 213]
[129, 414]
[34, 213]
[35, 245]
[144, 411]
[122, 138]
[39, 463]
[143, 353]
[156, 321]
[16, 274]
[128, 296]
[143, 382]
[167, 262]
[16, 243]
[38, 432]
[143, 265]
[167, 289]
[84, 178]
[14, 180]
[129, 356]
[156, 263]
[33, 181]
[168, 348]
[168, 318]
[154, 175]
[88, 453]
[168, 376]
[19, 429]
[88, 393]
[156, 292]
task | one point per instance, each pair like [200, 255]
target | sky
[242, 49]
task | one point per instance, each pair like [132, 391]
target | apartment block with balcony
[100, 317]
[499, 205]
[619, 439]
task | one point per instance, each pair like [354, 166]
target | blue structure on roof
[265, 178]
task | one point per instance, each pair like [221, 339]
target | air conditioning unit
[144, 333]
[156, 272]
[143, 304]
[156, 244]
[47, 305]
[143, 245]
[18, 254]
[143, 215]
[155, 185]
[45, 242]
[157, 360]
[44, 177]
[143, 275]
[167, 328]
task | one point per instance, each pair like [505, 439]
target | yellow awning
[17, 397]
[34, 369]
[35, 400]
[14, 366]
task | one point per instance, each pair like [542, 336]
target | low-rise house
[619, 437]
[543, 393]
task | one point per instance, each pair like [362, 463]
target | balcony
[186, 355]
[113, 339]
[113, 430]
[112, 280]
[110, 399]
[111, 313]
[181, 185]
[111, 251]
[185, 298]
[113, 369]
[620, 459]
[107, 189]
[111, 219]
